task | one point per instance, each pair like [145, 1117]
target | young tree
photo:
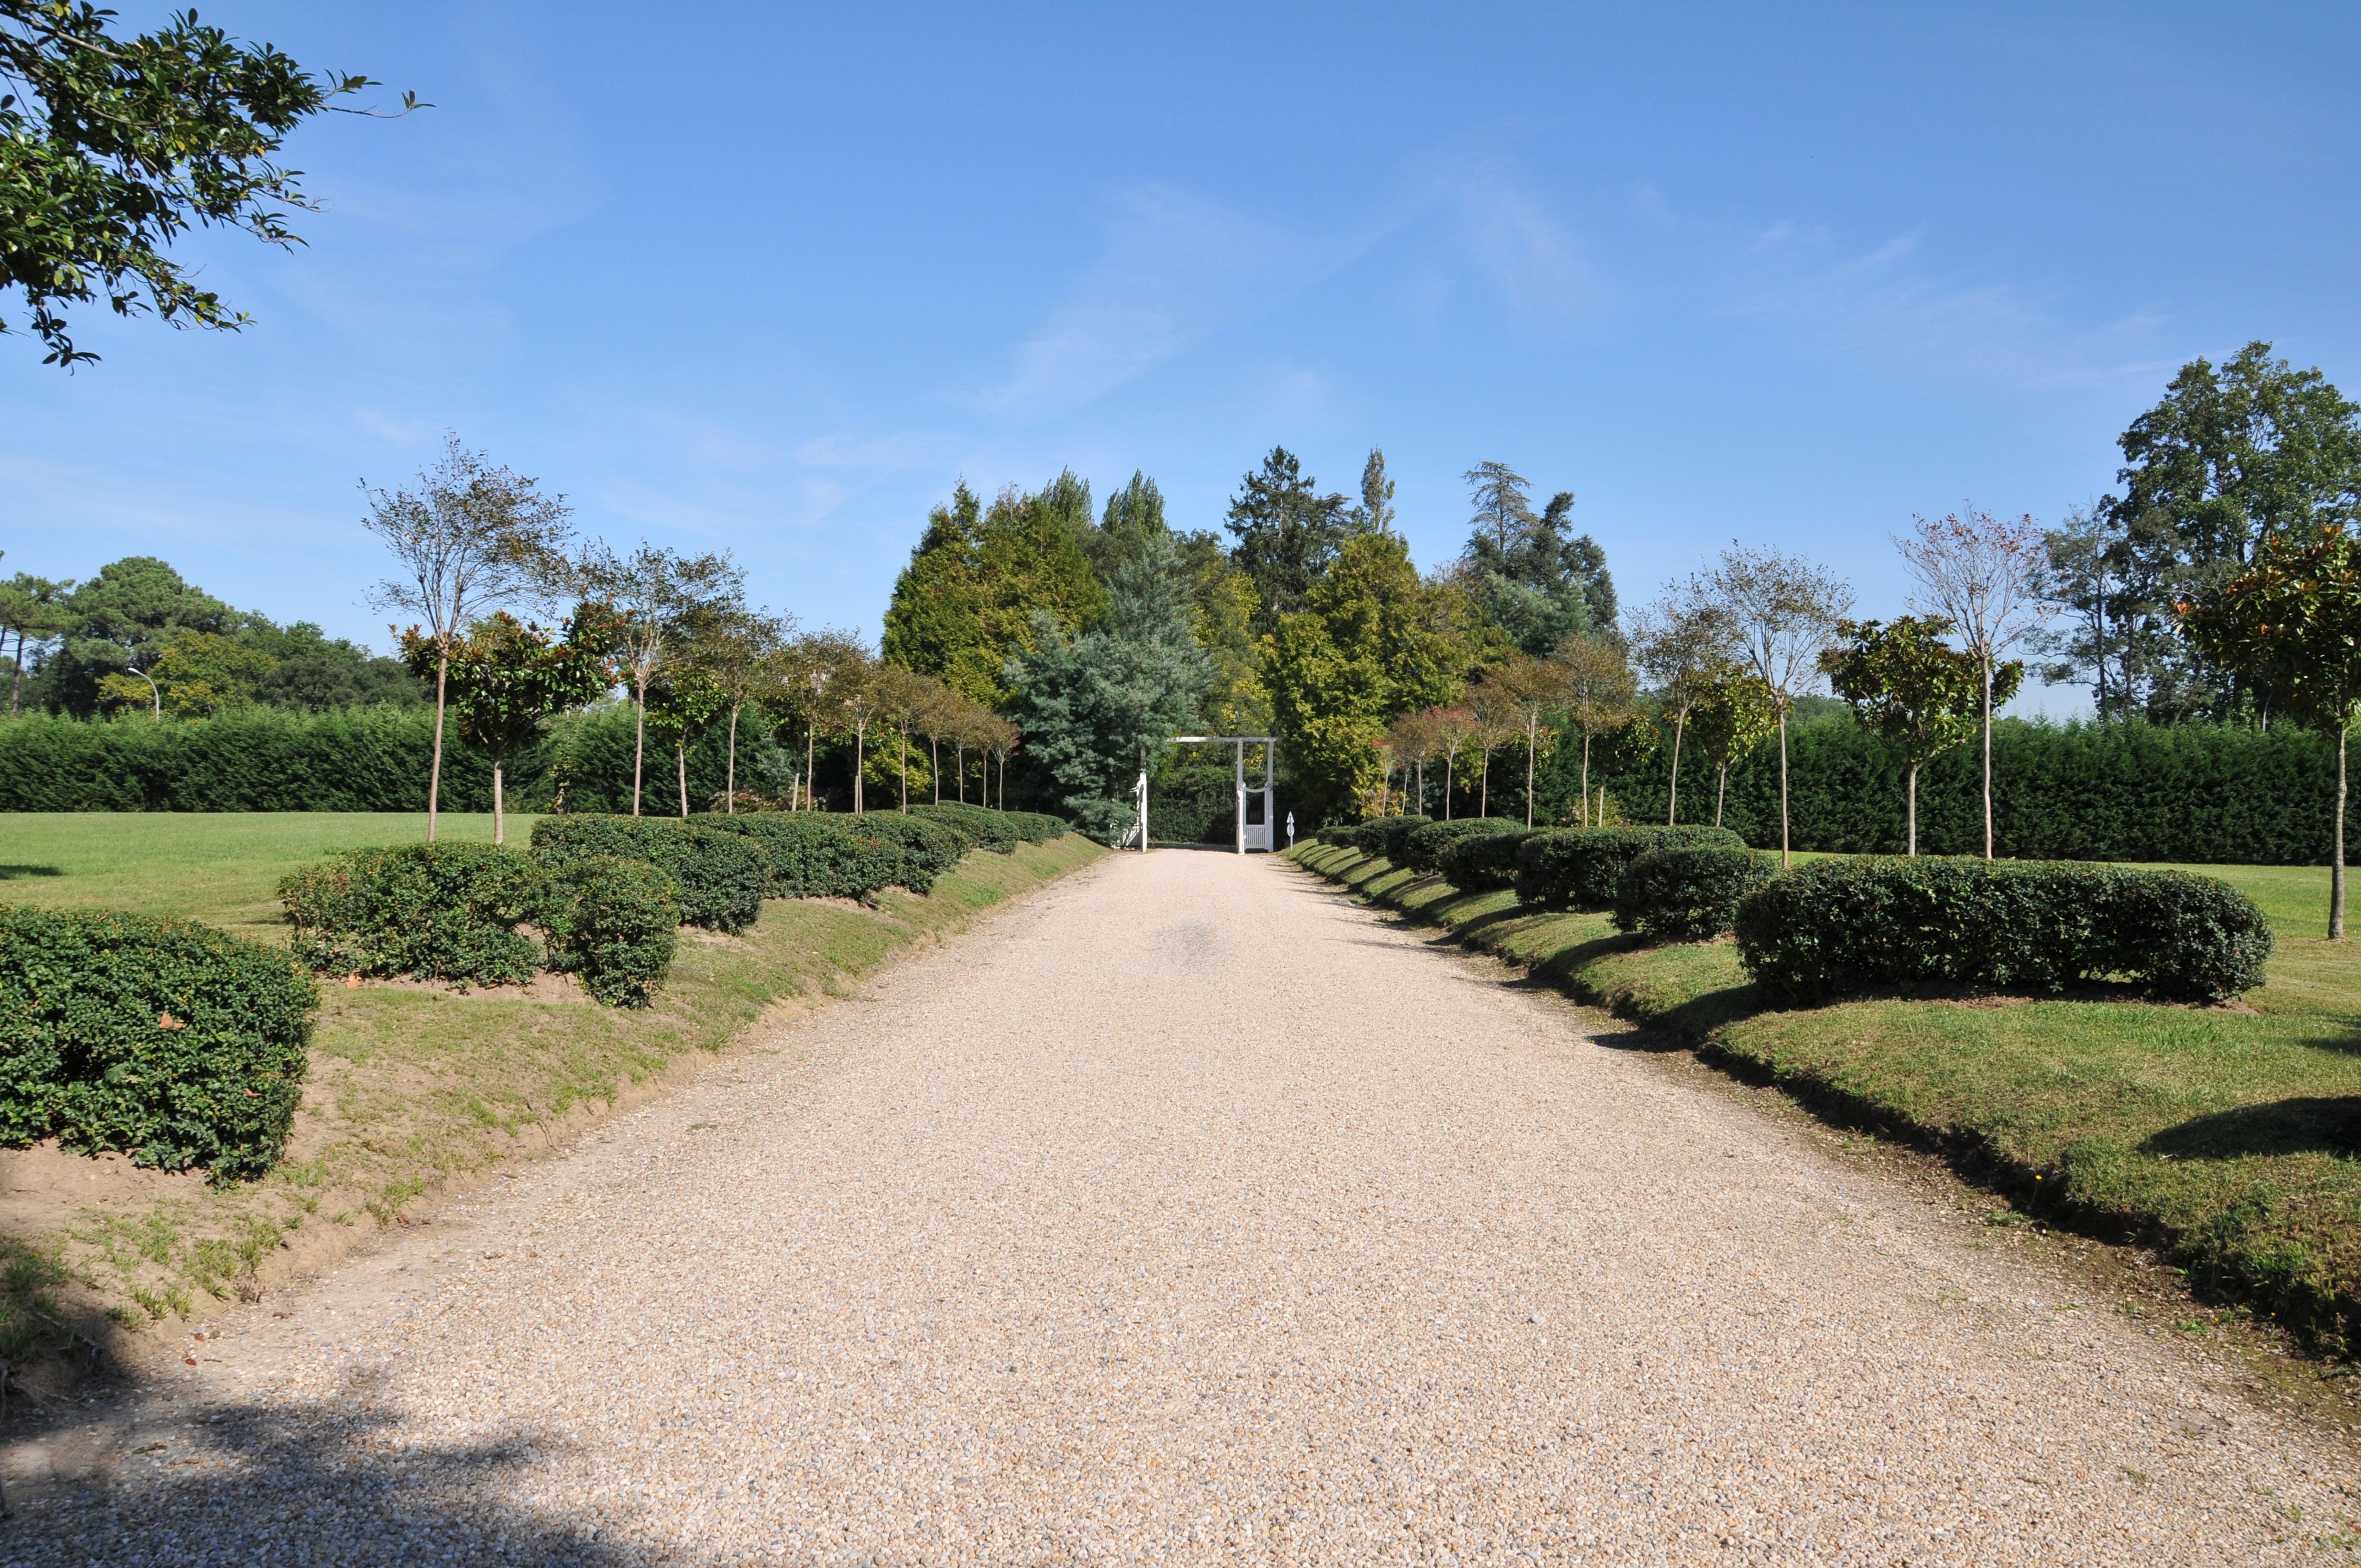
[1734, 713]
[1913, 691]
[506, 678]
[1525, 696]
[1452, 728]
[1784, 609]
[472, 539]
[1984, 576]
[903, 700]
[1681, 644]
[117, 145]
[738, 651]
[806, 672]
[1599, 690]
[853, 691]
[35, 609]
[1000, 739]
[682, 703]
[657, 596]
[1411, 737]
[2293, 620]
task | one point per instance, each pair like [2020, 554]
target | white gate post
[1269, 795]
[1238, 754]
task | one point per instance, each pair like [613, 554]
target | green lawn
[2231, 1135]
[410, 1086]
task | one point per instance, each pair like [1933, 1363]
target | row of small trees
[476, 544]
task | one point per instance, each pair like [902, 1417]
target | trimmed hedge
[1484, 861]
[1385, 836]
[613, 923]
[444, 911]
[1688, 894]
[1837, 927]
[175, 1043]
[816, 855]
[1000, 831]
[1423, 848]
[720, 877]
[1580, 868]
[928, 848]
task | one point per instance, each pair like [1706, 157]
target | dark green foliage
[172, 1042]
[1580, 868]
[1688, 894]
[928, 847]
[444, 911]
[2200, 793]
[816, 855]
[1389, 836]
[1481, 860]
[721, 876]
[612, 923]
[1423, 848]
[1000, 831]
[1835, 927]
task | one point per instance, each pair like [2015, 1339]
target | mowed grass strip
[410, 1087]
[2231, 1136]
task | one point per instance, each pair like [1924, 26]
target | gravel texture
[1188, 1213]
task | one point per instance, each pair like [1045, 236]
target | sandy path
[1189, 1213]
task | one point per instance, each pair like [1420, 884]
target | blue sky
[774, 279]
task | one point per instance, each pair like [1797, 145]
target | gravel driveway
[1188, 1213]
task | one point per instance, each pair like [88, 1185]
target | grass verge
[2230, 1138]
[410, 1087]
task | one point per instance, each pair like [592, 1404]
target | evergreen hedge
[169, 1041]
[1000, 831]
[445, 912]
[721, 877]
[1483, 861]
[1688, 894]
[929, 847]
[1839, 927]
[611, 923]
[1580, 868]
[819, 854]
[1423, 848]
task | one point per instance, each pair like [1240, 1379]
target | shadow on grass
[2306, 1124]
[14, 873]
[253, 1483]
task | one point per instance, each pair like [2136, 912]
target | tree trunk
[1484, 789]
[906, 773]
[434, 769]
[1531, 741]
[500, 806]
[959, 760]
[2336, 866]
[859, 766]
[934, 765]
[1988, 815]
[1672, 797]
[731, 784]
[811, 733]
[681, 751]
[1586, 778]
[1911, 814]
[16, 690]
[1785, 858]
[1720, 793]
[1449, 760]
[638, 738]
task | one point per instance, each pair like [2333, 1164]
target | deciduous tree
[657, 594]
[1913, 691]
[506, 678]
[1784, 610]
[1681, 644]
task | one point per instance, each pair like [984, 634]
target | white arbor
[1250, 835]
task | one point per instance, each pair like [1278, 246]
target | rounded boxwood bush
[721, 877]
[445, 912]
[1580, 868]
[174, 1043]
[929, 848]
[995, 830]
[1839, 927]
[1479, 860]
[1688, 894]
[1388, 836]
[816, 855]
[1425, 846]
[611, 923]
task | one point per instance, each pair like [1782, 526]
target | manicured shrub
[991, 829]
[1482, 860]
[169, 1041]
[818, 855]
[612, 923]
[1423, 848]
[1688, 894]
[1580, 868]
[446, 912]
[1386, 836]
[721, 876]
[1837, 927]
[928, 848]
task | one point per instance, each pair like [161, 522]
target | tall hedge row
[2197, 794]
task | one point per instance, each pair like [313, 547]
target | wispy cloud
[1894, 304]
[1532, 254]
[1176, 269]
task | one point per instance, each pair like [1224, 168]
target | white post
[1270, 795]
[1143, 811]
[1238, 756]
